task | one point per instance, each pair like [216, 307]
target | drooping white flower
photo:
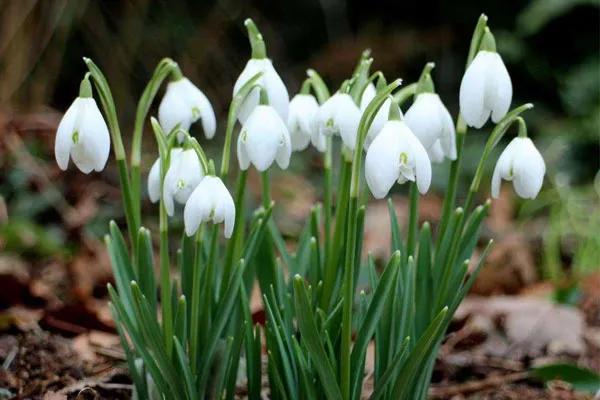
[82, 135]
[301, 120]
[485, 89]
[264, 138]
[396, 155]
[369, 94]
[154, 176]
[184, 104]
[270, 81]
[210, 201]
[182, 177]
[339, 115]
[431, 122]
[523, 164]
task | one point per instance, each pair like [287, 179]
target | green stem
[165, 279]
[413, 218]
[257, 42]
[327, 198]
[266, 189]
[196, 297]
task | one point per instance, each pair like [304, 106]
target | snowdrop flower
[182, 177]
[396, 155]
[523, 164]
[436, 152]
[264, 138]
[301, 120]
[486, 87]
[210, 201]
[154, 176]
[82, 134]
[378, 122]
[339, 115]
[184, 104]
[431, 122]
[269, 80]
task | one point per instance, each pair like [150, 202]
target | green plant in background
[189, 345]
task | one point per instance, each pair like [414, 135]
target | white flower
[264, 138]
[301, 120]
[485, 88]
[523, 164]
[210, 201]
[154, 176]
[269, 81]
[82, 135]
[431, 122]
[182, 177]
[369, 94]
[184, 104]
[339, 115]
[396, 155]
[436, 152]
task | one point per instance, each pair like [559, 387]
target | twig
[444, 392]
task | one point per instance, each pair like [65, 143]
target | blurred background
[51, 253]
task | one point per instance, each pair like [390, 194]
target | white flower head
[523, 164]
[301, 120]
[485, 89]
[154, 176]
[210, 201]
[339, 115]
[182, 177]
[82, 135]
[270, 81]
[396, 155]
[368, 94]
[431, 122]
[264, 138]
[184, 104]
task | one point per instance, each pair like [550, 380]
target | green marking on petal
[180, 184]
[75, 137]
[195, 112]
[403, 158]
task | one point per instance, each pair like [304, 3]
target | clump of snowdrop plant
[188, 332]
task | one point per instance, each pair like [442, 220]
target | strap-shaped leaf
[311, 339]
[391, 371]
[394, 227]
[184, 367]
[145, 261]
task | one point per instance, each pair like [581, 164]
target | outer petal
[97, 135]
[503, 167]
[243, 158]
[424, 118]
[347, 117]
[422, 163]
[174, 108]
[368, 95]
[225, 207]
[284, 152]
[436, 153]
[188, 171]
[278, 94]
[64, 134]
[154, 181]
[198, 207]
[472, 92]
[301, 120]
[448, 136]
[499, 88]
[378, 122]
[382, 162]
[528, 169]
[199, 103]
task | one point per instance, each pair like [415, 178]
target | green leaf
[184, 367]
[145, 260]
[582, 379]
[395, 227]
[312, 340]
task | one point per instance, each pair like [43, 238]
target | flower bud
[82, 135]
[184, 104]
[301, 120]
[431, 123]
[523, 164]
[210, 201]
[182, 177]
[264, 138]
[396, 155]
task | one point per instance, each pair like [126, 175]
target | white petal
[278, 94]
[378, 122]
[448, 136]
[422, 163]
[346, 118]
[436, 153]
[174, 108]
[382, 162]
[225, 207]
[198, 207]
[182, 177]
[64, 134]
[472, 91]
[201, 108]
[528, 170]
[499, 88]
[154, 181]
[301, 121]
[242, 154]
[424, 118]
[368, 95]
[96, 134]
[503, 167]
